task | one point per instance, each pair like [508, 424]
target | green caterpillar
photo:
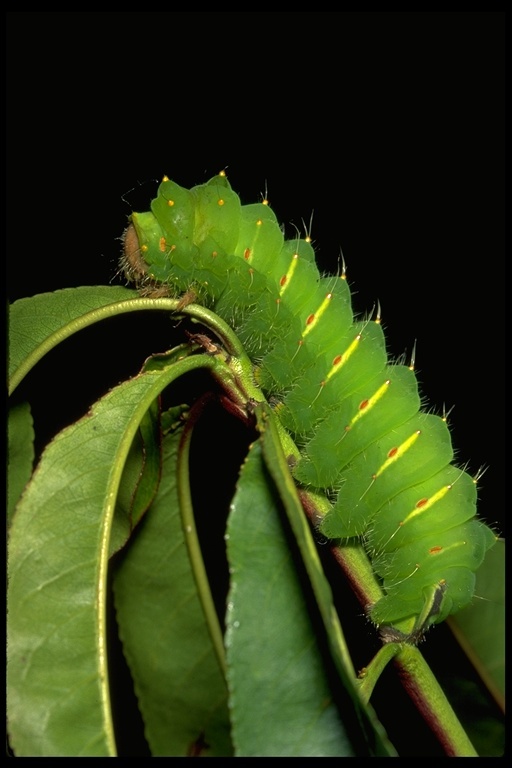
[385, 465]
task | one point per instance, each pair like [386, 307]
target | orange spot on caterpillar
[435, 550]
[310, 319]
[363, 405]
[162, 244]
[421, 503]
[392, 452]
[247, 254]
[170, 203]
[220, 201]
[144, 248]
[283, 280]
[337, 360]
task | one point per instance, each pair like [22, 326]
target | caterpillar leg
[434, 596]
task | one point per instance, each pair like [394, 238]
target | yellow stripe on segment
[366, 405]
[340, 360]
[286, 279]
[337, 364]
[249, 251]
[315, 317]
[396, 453]
[424, 504]
[442, 550]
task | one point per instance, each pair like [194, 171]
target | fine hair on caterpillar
[366, 443]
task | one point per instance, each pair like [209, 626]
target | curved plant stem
[190, 532]
[426, 693]
[370, 675]
[429, 698]
[137, 304]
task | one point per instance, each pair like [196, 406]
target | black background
[388, 126]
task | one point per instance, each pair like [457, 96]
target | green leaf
[280, 699]
[39, 323]
[20, 453]
[181, 690]
[480, 628]
[139, 483]
[57, 677]
[277, 466]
